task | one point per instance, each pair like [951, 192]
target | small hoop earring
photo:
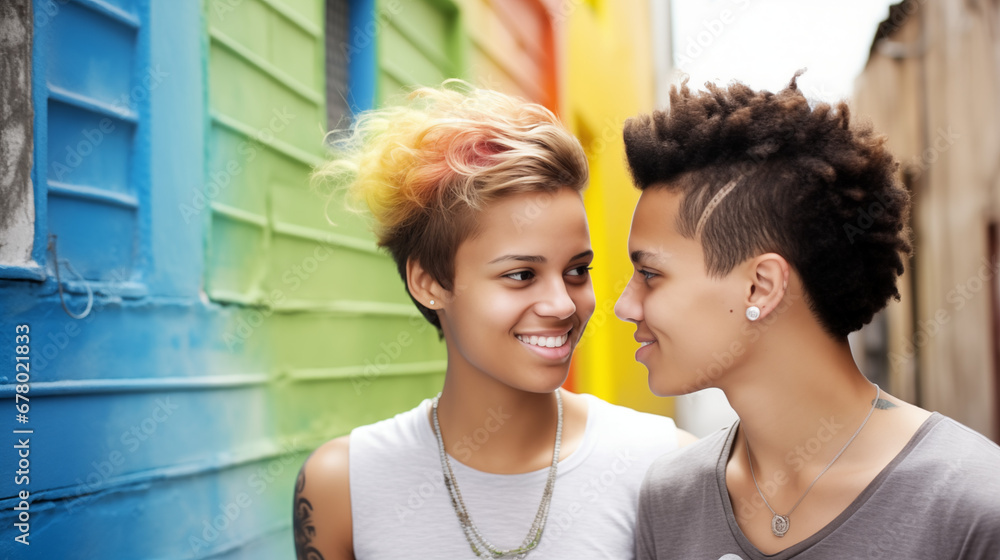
[753, 312]
[432, 302]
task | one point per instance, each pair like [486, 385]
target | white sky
[763, 42]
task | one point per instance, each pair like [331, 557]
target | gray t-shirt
[938, 499]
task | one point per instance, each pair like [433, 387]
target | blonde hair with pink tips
[426, 167]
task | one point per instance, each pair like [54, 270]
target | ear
[423, 287]
[768, 282]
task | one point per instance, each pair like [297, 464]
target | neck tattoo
[481, 547]
[781, 523]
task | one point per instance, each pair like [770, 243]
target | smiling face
[691, 327]
[522, 291]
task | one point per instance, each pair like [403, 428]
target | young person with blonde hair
[752, 265]
[477, 197]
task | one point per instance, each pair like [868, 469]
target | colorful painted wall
[609, 78]
[195, 324]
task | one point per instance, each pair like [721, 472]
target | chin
[661, 391]
[535, 380]
[669, 384]
[551, 384]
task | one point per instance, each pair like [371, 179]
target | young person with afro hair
[750, 272]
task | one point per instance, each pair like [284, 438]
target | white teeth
[545, 341]
[647, 343]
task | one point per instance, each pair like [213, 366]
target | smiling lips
[642, 346]
[544, 341]
[548, 347]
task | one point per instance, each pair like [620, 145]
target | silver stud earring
[432, 302]
[753, 312]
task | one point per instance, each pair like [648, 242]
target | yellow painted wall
[609, 77]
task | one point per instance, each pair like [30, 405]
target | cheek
[666, 310]
[496, 308]
[695, 319]
[708, 331]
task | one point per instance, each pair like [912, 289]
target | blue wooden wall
[151, 439]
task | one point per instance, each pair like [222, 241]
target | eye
[520, 275]
[580, 271]
[647, 274]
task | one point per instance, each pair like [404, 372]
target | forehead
[656, 214]
[536, 220]
[654, 238]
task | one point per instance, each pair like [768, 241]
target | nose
[557, 302]
[628, 307]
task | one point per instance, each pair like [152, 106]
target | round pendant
[779, 525]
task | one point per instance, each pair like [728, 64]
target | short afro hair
[806, 184]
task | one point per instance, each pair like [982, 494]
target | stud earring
[753, 312]
[432, 302]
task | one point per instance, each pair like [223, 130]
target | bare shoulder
[330, 460]
[906, 418]
[322, 509]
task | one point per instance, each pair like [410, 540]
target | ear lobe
[423, 287]
[770, 282]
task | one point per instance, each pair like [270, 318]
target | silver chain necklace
[481, 547]
[781, 523]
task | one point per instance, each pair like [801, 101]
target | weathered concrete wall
[17, 208]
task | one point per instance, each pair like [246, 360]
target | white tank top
[401, 509]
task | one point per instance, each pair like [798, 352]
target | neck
[493, 427]
[799, 402]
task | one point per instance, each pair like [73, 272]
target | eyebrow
[640, 257]
[537, 258]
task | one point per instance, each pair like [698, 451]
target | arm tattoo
[883, 404]
[302, 523]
